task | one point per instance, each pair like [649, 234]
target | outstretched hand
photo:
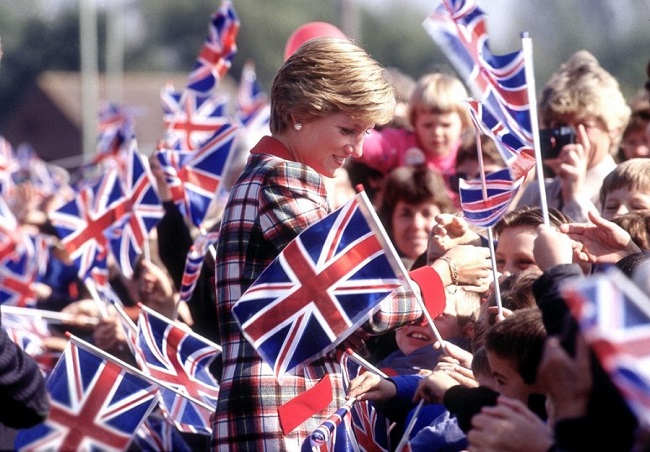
[449, 231]
[603, 242]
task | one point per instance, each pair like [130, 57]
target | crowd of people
[507, 368]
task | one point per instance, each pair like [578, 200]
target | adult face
[600, 139]
[411, 224]
[325, 143]
[438, 133]
[514, 251]
[624, 200]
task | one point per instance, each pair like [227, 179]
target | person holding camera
[583, 114]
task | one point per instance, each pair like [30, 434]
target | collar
[270, 145]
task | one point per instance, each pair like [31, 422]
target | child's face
[624, 200]
[411, 337]
[447, 322]
[508, 380]
[438, 133]
[635, 144]
[411, 224]
[514, 252]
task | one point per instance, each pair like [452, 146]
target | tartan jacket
[274, 200]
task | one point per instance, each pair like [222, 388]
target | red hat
[309, 31]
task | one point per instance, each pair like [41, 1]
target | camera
[553, 140]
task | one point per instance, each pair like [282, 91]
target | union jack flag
[369, 426]
[459, 27]
[142, 212]
[190, 118]
[10, 235]
[20, 270]
[26, 331]
[217, 52]
[115, 127]
[179, 359]
[156, 434]
[614, 317]
[321, 288]
[251, 98]
[333, 434]
[194, 263]
[194, 178]
[84, 222]
[46, 179]
[96, 403]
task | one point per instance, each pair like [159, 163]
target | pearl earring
[298, 126]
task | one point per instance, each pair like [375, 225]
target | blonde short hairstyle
[327, 76]
[583, 88]
[439, 93]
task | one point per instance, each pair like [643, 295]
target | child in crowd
[634, 143]
[467, 164]
[438, 119]
[637, 224]
[626, 188]
[582, 95]
[415, 342]
[411, 198]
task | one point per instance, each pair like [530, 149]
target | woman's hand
[472, 264]
[449, 231]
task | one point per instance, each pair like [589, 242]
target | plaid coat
[271, 203]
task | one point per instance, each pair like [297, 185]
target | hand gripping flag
[218, 50]
[459, 27]
[614, 318]
[96, 403]
[194, 178]
[180, 359]
[190, 118]
[321, 287]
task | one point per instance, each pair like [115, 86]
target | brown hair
[633, 173]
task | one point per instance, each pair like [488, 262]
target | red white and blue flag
[194, 178]
[333, 434]
[95, 403]
[8, 166]
[251, 98]
[142, 212]
[115, 127]
[219, 48]
[190, 119]
[321, 287]
[156, 435]
[179, 359]
[459, 27]
[614, 318]
[194, 263]
[84, 223]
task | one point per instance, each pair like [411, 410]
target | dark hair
[637, 224]
[414, 185]
[520, 337]
[529, 216]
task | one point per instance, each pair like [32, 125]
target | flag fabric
[459, 27]
[194, 178]
[20, 271]
[321, 287]
[156, 435]
[115, 127]
[614, 318]
[83, 223]
[251, 98]
[26, 331]
[218, 50]
[95, 404]
[8, 166]
[333, 434]
[142, 212]
[180, 359]
[483, 205]
[10, 235]
[369, 426]
[190, 119]
[194, 263]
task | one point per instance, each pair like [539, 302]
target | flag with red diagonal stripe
[614, 318]
[194, 178]
[142, 211]
[321, 287]
[218, 50]
[194, 263]
[190, 118]
[180, 359]
[459, 27]
[95, 403]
